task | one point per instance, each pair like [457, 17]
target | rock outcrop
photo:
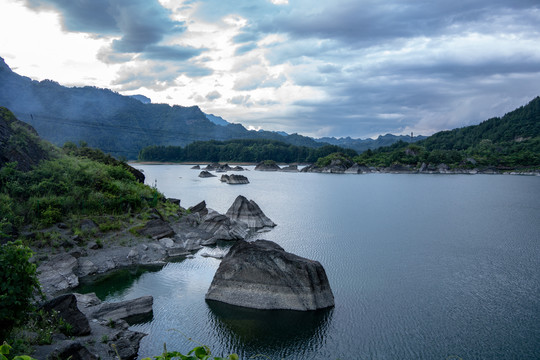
[358, 169]
[196, 167]
[267, 165]
[57, 274]
[66, 307]
[336, 166]
[222, 228]
[290, 168]
[248, 212]
[262, 275]
[206, 174]
[129, 310]
[234, 179]
[157, 229]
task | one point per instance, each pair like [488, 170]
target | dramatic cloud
[343, 68]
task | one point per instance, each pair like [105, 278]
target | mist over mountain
[117, 124]
[361, 145]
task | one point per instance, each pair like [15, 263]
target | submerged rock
[234, 179]
[262, 275]
[248, 212]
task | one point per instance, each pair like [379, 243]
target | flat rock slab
[130, 310]
[157, 229]
[262, 275]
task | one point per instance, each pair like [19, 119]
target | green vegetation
[510, 142]
[252, 151]
[335, 157]
[18, 285]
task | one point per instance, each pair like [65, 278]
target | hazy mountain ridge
[361, 145]
[117, 124]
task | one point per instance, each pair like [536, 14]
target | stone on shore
[248, 212]
[130, 310]
[66, 306]
[157, 229]
[262, 275]
[57, 274]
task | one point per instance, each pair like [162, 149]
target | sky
[319, 68]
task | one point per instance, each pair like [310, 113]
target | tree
[18, 285]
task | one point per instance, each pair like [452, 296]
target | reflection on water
[269, 332]
[114, 283]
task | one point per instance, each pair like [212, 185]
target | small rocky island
[262, 275]
[234, 179]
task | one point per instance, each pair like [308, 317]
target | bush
[18, 285]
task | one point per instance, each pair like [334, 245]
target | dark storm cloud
[141, 25]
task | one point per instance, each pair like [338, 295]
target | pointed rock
[249, 213]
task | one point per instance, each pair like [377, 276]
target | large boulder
[248, 212]
[234, 179]
[262, 275]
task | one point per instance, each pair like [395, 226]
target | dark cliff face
[19, 142]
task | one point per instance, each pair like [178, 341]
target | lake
[421, 266]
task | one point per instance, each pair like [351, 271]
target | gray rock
[196, 167]
[174, 201]
[88, 225]
[262, 275]
[290, 168]
[127, 344]
[249, 213]
[133, 254]
[357, 169]
[130, 310]
[66, 349]
[222, 228]
[86, 267]
[237, 168]
[234, 179]
[58, 273]
[93, 245]
[200, 208]
[206, 174]
[157, 229]
[167, 242]
[66, 306]
[267, 166]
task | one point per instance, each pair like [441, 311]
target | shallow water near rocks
[421, 266]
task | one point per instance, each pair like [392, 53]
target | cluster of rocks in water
[233, 179]
[293, 283]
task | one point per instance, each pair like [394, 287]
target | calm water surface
[421, 266]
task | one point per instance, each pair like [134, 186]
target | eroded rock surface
[234, 179]
[248, 212]
[263, 275]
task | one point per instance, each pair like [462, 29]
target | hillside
[247, 150]
[508, 142]
[361, 145]
[120, 125]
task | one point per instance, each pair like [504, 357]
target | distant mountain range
[123, 125]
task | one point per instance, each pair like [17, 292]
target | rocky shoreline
[159, 241]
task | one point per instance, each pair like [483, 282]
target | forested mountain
[240, 151]
[120, 125]
[361, 145]
[510, 141]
